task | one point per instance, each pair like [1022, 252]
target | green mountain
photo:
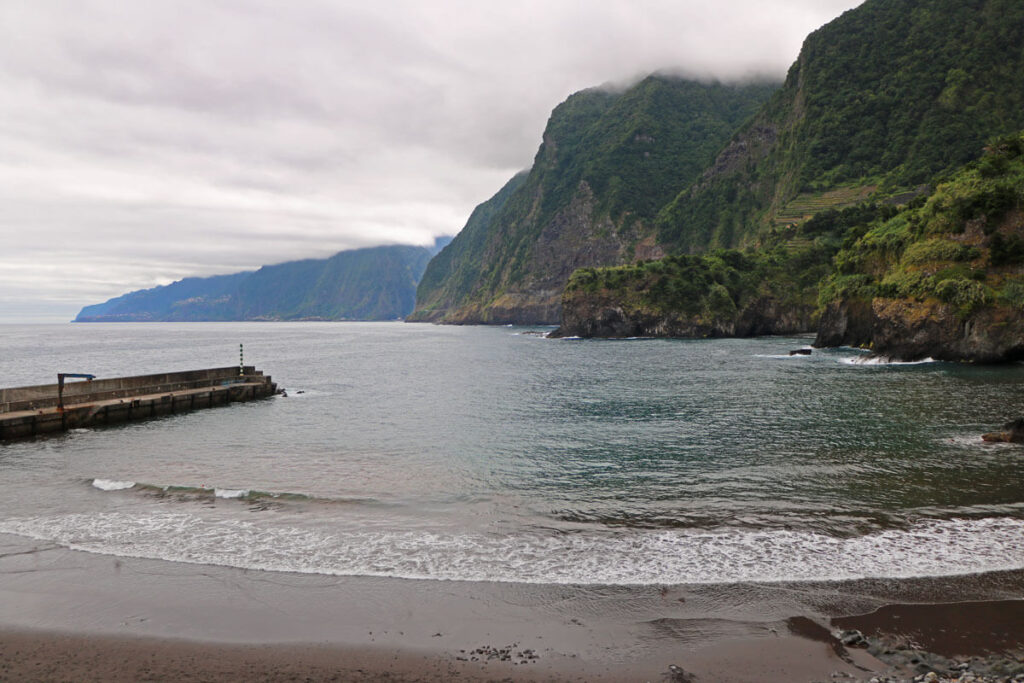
[940, 277]
[879, 100]
[607, 164]
[883, 103]
[363, 284]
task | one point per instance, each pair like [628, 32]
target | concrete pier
[29, 411]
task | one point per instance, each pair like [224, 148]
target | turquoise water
[483, 453]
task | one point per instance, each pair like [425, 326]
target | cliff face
[882, 98]
[603, 316]
[880, 103]
[607, 164]
[721, 294]
[910, 330]
[364, 284]
[457, 268]
[943, 279]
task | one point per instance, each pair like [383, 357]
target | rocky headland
[875, 197]
[944, 277]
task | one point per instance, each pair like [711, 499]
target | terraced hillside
[805, 206]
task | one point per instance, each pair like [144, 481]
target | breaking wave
[112, 485]
[598, 557]
[214, 492]
[881, 360]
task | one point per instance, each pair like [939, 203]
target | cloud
[144, 142]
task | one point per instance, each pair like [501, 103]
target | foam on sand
[936, 547]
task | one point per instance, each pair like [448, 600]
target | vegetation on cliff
[771, 290]
[453, 270]
[363, 284]
[884, 97]
[944, 277]
[883, 102]
[607, 164]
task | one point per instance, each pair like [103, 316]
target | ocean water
[496, 454]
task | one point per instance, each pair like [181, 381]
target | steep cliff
[883, 102]
[607, 164]
[943, 278]
[363, 284]
[879, 100]
[454, 270]
[724, 293]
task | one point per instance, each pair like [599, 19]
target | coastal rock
[846, 323]
[677, 674]
[853, 638]
[603, 314]
[1012, 432]
[911, 330]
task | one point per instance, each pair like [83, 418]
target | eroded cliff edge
[942, 279]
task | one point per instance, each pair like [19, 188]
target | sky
[144, 142]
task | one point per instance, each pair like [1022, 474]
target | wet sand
[962, 629]
[68, 615]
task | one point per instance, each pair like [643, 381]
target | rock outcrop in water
[1012, 432]
[910, 330]
[726, 293]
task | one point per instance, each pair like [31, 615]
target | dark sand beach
[69, 615]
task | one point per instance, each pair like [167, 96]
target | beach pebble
[677, 674]
[853, 638]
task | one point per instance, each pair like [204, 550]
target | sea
[443, 453]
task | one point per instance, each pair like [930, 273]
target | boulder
[1013, 432]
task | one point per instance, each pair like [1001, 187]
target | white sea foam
[112, 485]
[230, 493]
[880, 360]
[306, 393]
[615, 557]
[975, 442]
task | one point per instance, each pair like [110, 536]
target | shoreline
[114, 618]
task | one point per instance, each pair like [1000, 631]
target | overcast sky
[146, 141]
